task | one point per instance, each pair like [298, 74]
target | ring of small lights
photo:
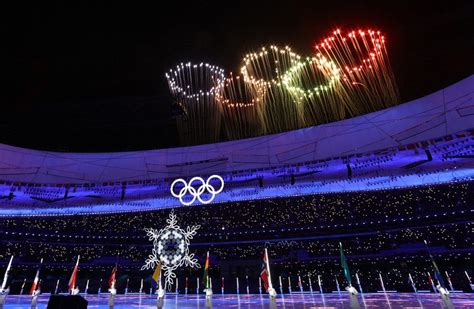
[171, 248]
[278, 54]
[204, 186]
[180, 85]
[291, 77]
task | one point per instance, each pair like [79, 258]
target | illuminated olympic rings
[196, 193]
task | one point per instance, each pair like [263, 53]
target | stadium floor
[309, 301]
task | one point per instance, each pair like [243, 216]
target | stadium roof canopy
[442, 113]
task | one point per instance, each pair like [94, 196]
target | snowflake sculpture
[171, 248]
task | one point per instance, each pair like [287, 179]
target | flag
[38, 288]
[122, 278]
[438, 276]
[35, 284]
[112, 278]
[206, 273]
[264, 272]
[155, 278]
[437, 273]
[429, 279]
[345, 267]
[5, 277]
[72, 280]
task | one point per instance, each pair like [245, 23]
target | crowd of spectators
[452, 237]
[254, 215]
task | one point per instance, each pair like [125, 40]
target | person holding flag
[35, 294]
[412, 282]
[87, 287]
[112, 289]
[156, 281]
[347, 272]
[113, 280]
[35, 285]
[23, 286]
[264, 273]
[73, 289]
[266, 277]
[207, 283]
[469, 280]
[38, 288]
[4, 291]
[430, 280]
[441, 287]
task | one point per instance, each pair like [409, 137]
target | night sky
[90, 77]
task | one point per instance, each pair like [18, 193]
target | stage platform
[294, 301]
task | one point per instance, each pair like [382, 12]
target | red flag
[72, 280]
[35, 284]
[112, 279]
[264, 272]
[37, 288]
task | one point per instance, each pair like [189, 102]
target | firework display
[262, 72]
[195, 88]
[314, 86]
[367, 78]
[278, 90]
[241, 113]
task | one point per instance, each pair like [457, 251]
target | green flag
[206, 272]
[345, 267]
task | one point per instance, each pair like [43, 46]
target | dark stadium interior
[245, 154]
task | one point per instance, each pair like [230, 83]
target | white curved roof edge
[444, 112]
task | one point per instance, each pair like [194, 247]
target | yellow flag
[156, 274]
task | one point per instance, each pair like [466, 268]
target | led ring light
[188, 188]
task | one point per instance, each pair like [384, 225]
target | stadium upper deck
[424, 141]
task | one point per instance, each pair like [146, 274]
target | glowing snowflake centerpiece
[171, 248]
